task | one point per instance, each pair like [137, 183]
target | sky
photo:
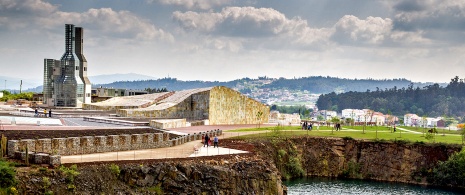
[420, 40]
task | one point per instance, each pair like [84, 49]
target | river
[343, 186]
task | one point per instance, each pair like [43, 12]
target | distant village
[360, 117]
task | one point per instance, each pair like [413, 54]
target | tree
[259, 118]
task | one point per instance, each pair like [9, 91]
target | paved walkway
[13, 120]
[181, 151]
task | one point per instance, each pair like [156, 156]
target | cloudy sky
[421, 40]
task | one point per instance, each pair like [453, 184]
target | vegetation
[115, 169]
[7, 174]
[292, 109]
[356, 133]
[156, 90]
[316, 84]
[69, 172]
[9, 96]
[450, 172]
[432, 100]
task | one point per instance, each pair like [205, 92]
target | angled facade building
[65, 81]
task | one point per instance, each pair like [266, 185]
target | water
[341, 187]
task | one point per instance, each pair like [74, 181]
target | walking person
[36, 112]
[215, 142]
[45, 113]
[205, 143]
[50, 113]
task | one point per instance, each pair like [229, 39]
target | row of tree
[14, 96]
[302, 110]
[431, 100]
[156, 90]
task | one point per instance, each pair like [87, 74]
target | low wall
[168, 123]
[98, 144]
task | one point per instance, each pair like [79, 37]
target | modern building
[103, 93]
[217, 105]
[65, 81]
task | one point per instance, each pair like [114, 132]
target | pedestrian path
[13, 120]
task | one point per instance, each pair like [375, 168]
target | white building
[352, 113]
[412, 120]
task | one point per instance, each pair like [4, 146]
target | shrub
[70, 172]
[450, 172]
[347, 138]
[7, 174]
[115, 169]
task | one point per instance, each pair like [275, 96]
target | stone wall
[228, 106]
[98, 144]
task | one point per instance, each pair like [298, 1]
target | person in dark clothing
[215, 142]
[50, 113]
[36, 112]
[206, 140]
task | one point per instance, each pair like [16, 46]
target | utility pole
[20, 86]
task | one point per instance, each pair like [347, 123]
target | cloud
[248, 23]
[431, 15]
[39, 14]
[372, 30]
[194, 4]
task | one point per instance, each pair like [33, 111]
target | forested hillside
[431, 100]
[316, 85]
[321, 84]
[172, 84]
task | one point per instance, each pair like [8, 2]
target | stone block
[73, 146]
[125, 142]
[87, 145]
[55, 160]
[30, 156]
[147, 140]
[113, 143]
[29, 143]
[13, 146]
[41, 158]
[59, 146]
[100, 143]
[44, 145]
[166, 136]
[136, 141]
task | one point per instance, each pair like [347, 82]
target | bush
[70, 172]
[450, 172]
[115, 169]
[347, 138]
[7, 174]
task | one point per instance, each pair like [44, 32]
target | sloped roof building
[220, 105]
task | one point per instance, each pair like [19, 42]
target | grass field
[371, 133]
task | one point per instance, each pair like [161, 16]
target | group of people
[46, 114]
[309, 126]
[206, 140]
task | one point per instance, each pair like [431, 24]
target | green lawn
[370, 133]
[440, 131]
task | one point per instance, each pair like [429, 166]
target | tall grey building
[67, 85]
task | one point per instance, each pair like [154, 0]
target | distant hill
[110, 78]
[313, 84]
[13, 83]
